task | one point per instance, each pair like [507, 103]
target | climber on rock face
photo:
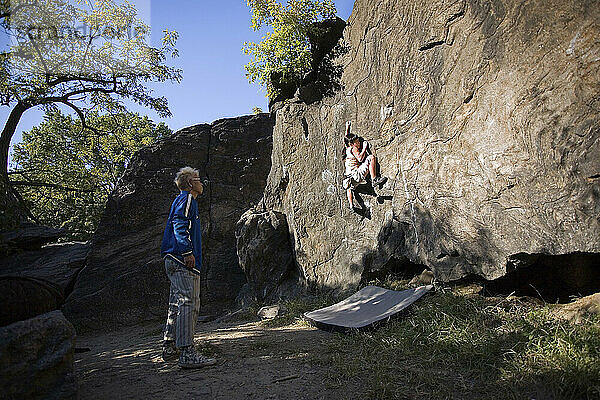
[358, 163]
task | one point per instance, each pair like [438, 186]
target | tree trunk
[13, 209]
[7, 133]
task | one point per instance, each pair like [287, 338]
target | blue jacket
[183, 233]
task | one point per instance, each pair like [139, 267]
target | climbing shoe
[189, 358]
[170, 352]
[380, 180]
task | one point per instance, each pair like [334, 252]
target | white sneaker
[169, 351]
[189, 358]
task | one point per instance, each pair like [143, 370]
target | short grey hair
[182, 178]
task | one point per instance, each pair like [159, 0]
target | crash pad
[364, 308]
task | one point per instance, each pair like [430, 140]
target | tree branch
[27, 171]
[65, 100]
[66, 78]
[20, 172]
[91, 90]
[37, 50]
[22, 204]
[81, 116]
[87, 48]
[50, 185]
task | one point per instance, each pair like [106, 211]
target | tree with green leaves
[65, 174]
[82, 54]
[283, 54]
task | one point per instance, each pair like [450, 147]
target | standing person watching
[182, 251]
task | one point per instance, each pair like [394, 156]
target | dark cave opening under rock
[397, 267]
[551, 278]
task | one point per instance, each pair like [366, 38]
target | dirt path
[255, 362]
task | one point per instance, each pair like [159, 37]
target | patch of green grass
[392, 282]
[459, 347]
[454, 346]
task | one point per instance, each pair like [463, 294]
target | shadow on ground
[254, 363]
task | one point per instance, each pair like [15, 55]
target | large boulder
[57, 264]
[37, 281]
[486, 118]
[124, 281]
[36, 359]
[22, 298]
[29, 236]
[265, 255]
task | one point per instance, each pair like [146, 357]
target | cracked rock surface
[124, 281]
[485, 117]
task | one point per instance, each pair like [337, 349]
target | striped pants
[184, 303]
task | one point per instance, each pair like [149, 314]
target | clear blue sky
[211, 35]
